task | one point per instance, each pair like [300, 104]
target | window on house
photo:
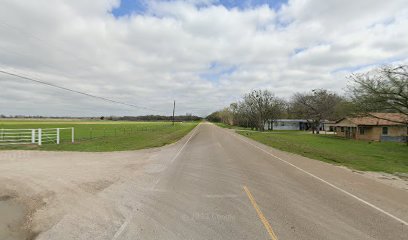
[361, 130]
[342, 129]
[385, 131]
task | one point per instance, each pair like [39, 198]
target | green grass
[103, 136]
[223, 125]
[360, 155]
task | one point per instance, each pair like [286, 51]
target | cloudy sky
[202, 53]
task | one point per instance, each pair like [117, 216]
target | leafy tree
[214, 117]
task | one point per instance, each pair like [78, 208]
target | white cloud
[162, 55]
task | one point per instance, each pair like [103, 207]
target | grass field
[360, 155]
[103, 136]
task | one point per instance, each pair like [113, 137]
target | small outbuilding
[385, 127]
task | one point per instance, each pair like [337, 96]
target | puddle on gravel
[11, 220]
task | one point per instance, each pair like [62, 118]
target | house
[374, 128]
[287, 124]
[329, 126]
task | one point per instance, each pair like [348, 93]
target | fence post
[39, 137]
[32, 135]
[58, 136]
[73, 134]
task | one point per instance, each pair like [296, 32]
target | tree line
[179, 118]
[381, 90]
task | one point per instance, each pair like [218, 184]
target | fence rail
[33, 136]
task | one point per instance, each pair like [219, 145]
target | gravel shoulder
[57, 193]
[394, 180]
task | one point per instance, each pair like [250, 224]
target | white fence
[33, 136]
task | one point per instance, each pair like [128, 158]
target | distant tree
[226, 116]
[233, 108]
[214, 117]
[187, 117]
[315, 106]
[244, 116]
[261, 106]
[385, 90]
[254, 110]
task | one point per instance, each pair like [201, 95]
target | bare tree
[315, 106]
[261, 106]
[385, 90]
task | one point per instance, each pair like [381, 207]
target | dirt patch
[395, 180]
[72, 195]
[96, 186]
[12, 220]
[16, 212]
[389, 179]
[5, 198]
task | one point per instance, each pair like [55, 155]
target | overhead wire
[59, 48]
[75, 91]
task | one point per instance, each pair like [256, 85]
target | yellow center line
[260, 214]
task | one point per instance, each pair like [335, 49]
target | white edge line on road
[121, 229]
[324, 181]
[126, 222]
[181, 149]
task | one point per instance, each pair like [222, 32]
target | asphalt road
[220, 185]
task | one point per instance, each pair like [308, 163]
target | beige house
[384, 127]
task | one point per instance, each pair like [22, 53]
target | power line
[33, 36]
[61, 49]
[75, 91]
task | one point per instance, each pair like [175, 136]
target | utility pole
[174, 109]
